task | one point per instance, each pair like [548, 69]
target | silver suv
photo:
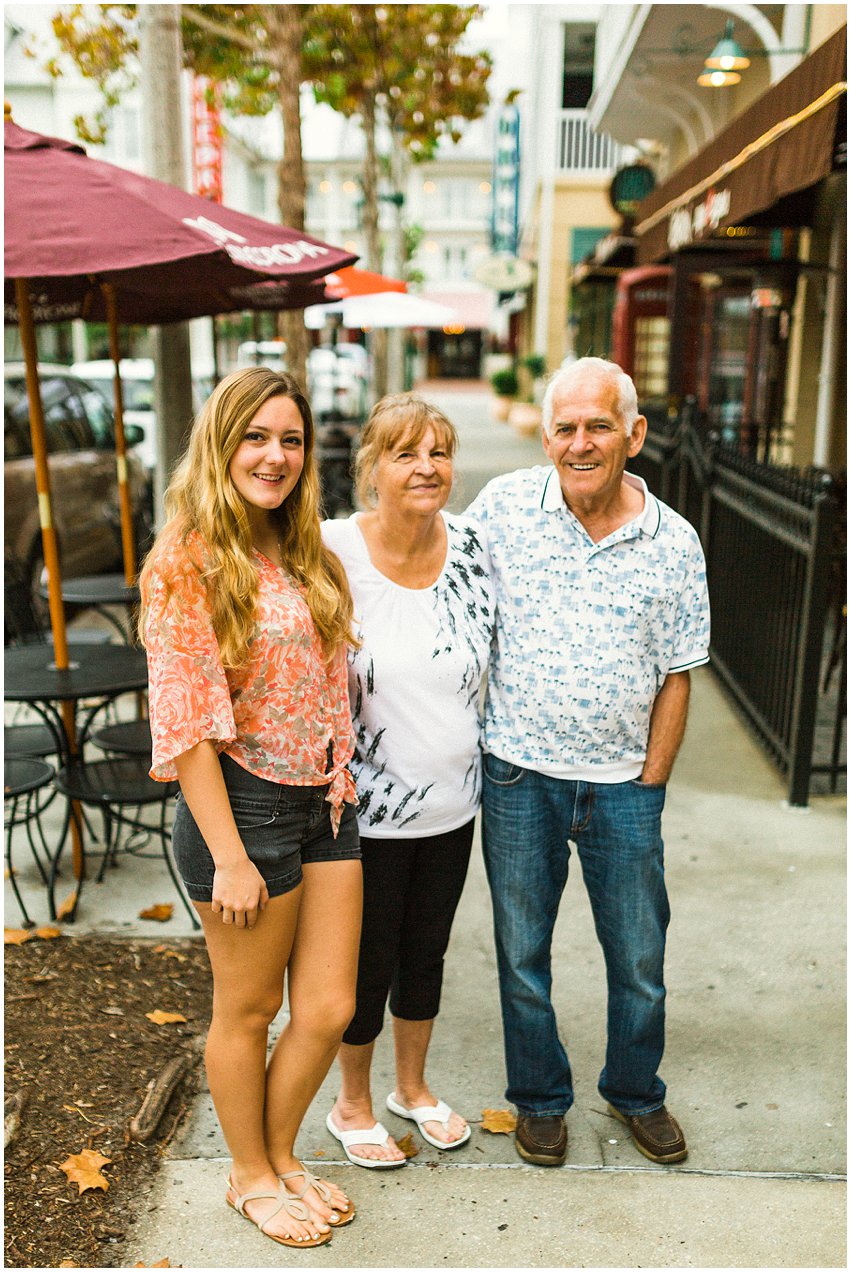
[84, 487]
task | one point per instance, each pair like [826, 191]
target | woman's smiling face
[414, 477]
[268, 462]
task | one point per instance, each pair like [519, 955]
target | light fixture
[718, 79]
[727, 55]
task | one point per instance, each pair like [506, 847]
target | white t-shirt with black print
[414, 685]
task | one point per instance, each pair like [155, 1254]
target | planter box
[525, 417]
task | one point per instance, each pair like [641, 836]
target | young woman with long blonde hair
[246, 617]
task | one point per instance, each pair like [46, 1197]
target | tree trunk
[286, 31]
[162, 148]
[396, 336]
[369, 180]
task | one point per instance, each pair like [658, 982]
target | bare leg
[322, 975]
[353, 1107]
[248, 978]
[411, 1039]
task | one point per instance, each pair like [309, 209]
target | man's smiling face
[588, 442]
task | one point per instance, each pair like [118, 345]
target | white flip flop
[377, 1134]
[440, 1112]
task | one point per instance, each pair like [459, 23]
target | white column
[834, 315]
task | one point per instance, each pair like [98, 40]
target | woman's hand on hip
[239, 893]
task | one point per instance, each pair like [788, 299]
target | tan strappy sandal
[295, 1208]
[310, 1181]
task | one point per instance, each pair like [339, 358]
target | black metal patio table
[98, 592]
[95, 672]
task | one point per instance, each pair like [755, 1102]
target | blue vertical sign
[506, 182]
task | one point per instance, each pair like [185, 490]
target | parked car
[338, 381]
[84, 485]
[337, 378]
[137, 385]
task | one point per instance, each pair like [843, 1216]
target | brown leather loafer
[542, 1140]
[657, 1135]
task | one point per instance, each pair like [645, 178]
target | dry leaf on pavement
[407, 1146]
[160, 913]
[83, 1169]
[168, 952]
[165, 1017]
[67, 906]
[498, 1121]
[15, 936]
[163, 1263]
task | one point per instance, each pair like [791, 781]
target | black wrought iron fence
[775, 552]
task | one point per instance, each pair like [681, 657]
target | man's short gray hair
[599, 368]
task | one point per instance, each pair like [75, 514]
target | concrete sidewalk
[754, 1066]
[754, 1060]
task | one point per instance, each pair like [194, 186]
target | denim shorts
[282, 828]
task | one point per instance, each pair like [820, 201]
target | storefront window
[729, 363]
[652, 346]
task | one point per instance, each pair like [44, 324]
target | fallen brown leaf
[163, 1263]
[16, 936]
[47, 933]
[498, 1121]
[83, 1169]
[407, 1146]
[160, 913]
[168, 952]
[66, 907]
[68, 1263]
[165, 1017]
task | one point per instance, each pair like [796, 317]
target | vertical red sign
[206, 139]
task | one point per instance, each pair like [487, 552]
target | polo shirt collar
[647, 522]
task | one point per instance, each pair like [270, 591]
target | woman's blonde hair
[399, 419]
[202, 499]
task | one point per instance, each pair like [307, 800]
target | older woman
[423, 614]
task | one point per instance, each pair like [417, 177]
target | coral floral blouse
[276, 715]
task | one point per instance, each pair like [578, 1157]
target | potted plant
[505, 386]
[525, 416]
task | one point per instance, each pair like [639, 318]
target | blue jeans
[528, 819]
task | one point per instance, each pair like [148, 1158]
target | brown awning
[782, 143]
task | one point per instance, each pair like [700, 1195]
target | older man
[601, 611]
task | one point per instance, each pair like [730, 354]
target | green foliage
[227, 43]
[404, 59]
[414, 235]
[505, 383]
[535, 364]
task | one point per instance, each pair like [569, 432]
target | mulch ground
[79, 1046]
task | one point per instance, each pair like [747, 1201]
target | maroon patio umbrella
[85, 239]
[170, 255]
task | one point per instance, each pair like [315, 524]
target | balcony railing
[582, 151]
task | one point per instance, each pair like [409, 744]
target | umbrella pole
[42, 475]
[128, 546]
[48, 532]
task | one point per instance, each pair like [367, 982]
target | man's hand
[667, 728]
[239, 893]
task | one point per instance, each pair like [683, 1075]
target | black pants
[411, 889]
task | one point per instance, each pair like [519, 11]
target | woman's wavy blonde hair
[202, 498]
[399, 419]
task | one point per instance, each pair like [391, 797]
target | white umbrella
[384, 309]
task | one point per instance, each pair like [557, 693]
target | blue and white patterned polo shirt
[585, 632]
